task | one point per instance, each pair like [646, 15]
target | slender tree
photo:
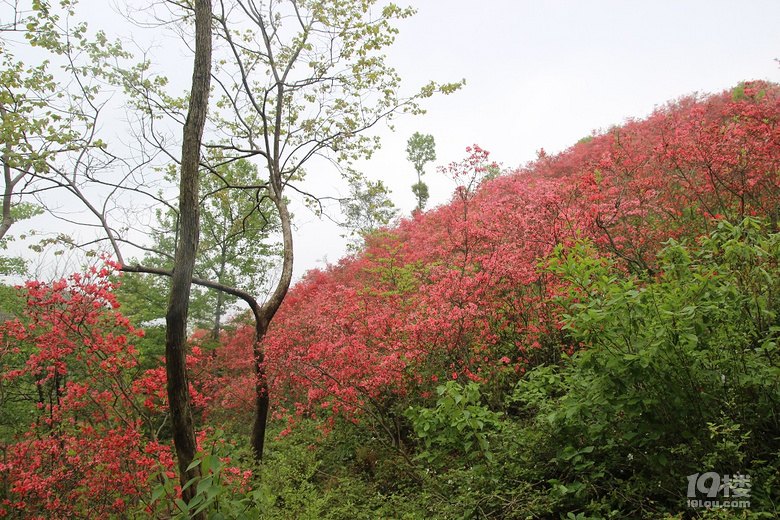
[420, 149]
[186, 250]
[306, 79]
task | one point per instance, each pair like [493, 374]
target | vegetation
[420, 149]
[592, 336]
[366, 210]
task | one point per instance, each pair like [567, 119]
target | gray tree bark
[184, 263]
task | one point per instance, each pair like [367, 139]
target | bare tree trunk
[184, 262]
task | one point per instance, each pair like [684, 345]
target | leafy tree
[420, 149]
[235, 229]
[234, 249]
[367, 209]
[15, 265]
[48, 110]
[304, 79]
[420, 190]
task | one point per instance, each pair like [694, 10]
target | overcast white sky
[545, 73]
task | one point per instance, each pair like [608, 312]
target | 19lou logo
[712, 490]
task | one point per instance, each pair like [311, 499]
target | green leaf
[195, 463]
[204, 484]
[158, 492]
[182, 505]
[189, 483]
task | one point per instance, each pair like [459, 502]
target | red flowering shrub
[456, 292]
[78, 432]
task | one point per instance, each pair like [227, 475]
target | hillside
[484, 294]
[459, 287]
[592, 335]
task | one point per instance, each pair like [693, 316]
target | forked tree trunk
[184, 261]
[263, 317]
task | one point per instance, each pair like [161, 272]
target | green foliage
[351, 474]
[368, 208]
[18, 406]
[673, 375]
[235, 250]
[420, 190]
[48, 110]
[492, 171]
[738, 93]
[220, 493]
[458, 423]
[11, 304]
[317, 86]
[347, 475]
[420, 149]
[11, 265]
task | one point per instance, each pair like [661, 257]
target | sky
[544, 74]
[539, 75]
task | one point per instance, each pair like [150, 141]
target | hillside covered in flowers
[573, 338]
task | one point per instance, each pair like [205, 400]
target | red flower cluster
[457, 292]
[67, 367]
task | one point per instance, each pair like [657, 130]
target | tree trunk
[8, 182]
[220, 298]
[184, 262]
[263, 319]
[218, 316]
[262, 399]
[7, 220]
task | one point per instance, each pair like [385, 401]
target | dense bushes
[671, 374]
[622, 364]
[675, 375]
[78, 418]
[572, 339]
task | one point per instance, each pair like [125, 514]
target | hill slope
[530, 293]
[445, 287]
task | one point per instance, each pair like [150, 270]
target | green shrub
[675, 375]
[458, 423]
